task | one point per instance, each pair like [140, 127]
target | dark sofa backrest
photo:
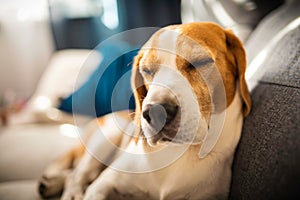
[267, 160]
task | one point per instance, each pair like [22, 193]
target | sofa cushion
[279, 61]
[25, 150]
[96, 96]
[240, 16]
[283, 67]
[25, 190]
[249, 12]
[267, 160]
[270, 26]
[58, 81]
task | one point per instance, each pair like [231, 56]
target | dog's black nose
[157, 115]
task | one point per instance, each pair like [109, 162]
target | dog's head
[182, 75]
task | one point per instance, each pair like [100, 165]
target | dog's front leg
[86, 172]
[100, 151]
[116, 181]
[103, 186]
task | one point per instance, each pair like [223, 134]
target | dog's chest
[179, 180]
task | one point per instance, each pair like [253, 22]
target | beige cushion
[26, 150]
[66, 71]
[17, 190]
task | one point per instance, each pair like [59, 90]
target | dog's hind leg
[52, 181]
[73, 172]
[85, 172]
[100, 151]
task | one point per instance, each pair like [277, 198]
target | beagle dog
[191, 98]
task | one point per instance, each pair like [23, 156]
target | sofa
[40, 133]
[267, 159]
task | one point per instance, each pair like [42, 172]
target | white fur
[167, 170]
[166, 46]
[171, 171]
[169, 82]
[188, 176]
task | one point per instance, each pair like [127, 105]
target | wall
[26, 45]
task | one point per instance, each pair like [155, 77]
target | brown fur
[225, 49]
[227, 54]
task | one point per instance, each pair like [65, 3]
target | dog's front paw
[72, 193]
[50, 186]
[92, 194]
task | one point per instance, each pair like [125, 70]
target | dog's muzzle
[159, 115]
[161, 120]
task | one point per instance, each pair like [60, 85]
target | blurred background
[46, 44]
[32, 30]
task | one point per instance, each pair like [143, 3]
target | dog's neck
[231, 127]
[202, 168]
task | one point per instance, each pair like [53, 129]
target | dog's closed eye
[201, 62]
[146, 71]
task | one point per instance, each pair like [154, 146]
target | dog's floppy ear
[238, 51]
[138, 88]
